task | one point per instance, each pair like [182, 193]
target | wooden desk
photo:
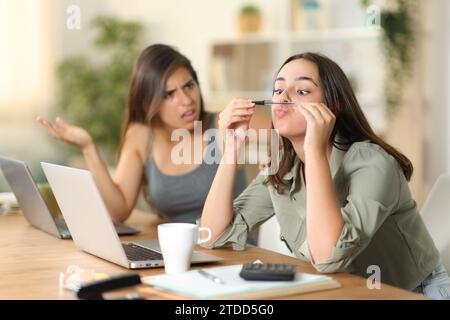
[31, 262]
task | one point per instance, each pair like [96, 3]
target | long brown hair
[351, 124]
[151, 70]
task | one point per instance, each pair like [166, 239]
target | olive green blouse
[382, 224]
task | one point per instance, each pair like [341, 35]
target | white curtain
[26, 56]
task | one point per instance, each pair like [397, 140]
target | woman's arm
[121, 193]
[324, 220]
[218, 209]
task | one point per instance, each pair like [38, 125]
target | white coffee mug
[177, 241]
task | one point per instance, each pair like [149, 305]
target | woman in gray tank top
[181, 197]
[164, 96]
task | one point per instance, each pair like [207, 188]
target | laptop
[91, 226]
[33, 205]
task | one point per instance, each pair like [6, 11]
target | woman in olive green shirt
[341, 193]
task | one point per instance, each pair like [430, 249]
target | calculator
[268, 271]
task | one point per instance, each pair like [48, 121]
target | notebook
[192, 285]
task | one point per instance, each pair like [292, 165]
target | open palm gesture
[63, 131]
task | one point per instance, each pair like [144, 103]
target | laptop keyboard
[137, 253]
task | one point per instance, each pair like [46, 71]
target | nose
[285, 96]
[185, 98]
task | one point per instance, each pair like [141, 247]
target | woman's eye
[168, 95]
[277, 91]
[190, 85]
[302, 92]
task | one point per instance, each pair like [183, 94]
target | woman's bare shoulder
[137, 130]
[137, 137]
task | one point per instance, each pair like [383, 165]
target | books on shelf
[192, 285]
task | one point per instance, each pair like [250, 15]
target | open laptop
[91, 226]
[33, 205]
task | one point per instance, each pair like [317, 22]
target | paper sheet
[193, 284]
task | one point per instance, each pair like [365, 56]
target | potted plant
[398, 38]
[249, 19]
[93, 95]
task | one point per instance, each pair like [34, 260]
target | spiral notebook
[192, 285]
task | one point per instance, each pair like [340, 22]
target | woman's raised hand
[65, 132]
[237, 114]
[319, 125]
[235, 118]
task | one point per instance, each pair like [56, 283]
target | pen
[269, 102]
[211, 277]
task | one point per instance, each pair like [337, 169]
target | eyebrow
[173, 90]
[298, 79]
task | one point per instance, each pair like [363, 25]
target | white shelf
[257, 38]
[362, 33]
[336, 34]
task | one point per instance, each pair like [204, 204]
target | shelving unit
[245, 65]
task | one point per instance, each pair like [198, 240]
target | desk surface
[31, 262]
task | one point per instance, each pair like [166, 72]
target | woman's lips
[280, 111]
[189, 116]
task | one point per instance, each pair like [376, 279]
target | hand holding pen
[237, 114]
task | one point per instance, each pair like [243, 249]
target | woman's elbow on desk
[328, 267]
[120, 216]
[214, 235]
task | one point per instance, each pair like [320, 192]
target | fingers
[238, 110]
[325, 111]
[235, 105]
[313, 112]
[55, 131]
[319, 112]
[48, 126]
[307, 114]
[42, 121]
[225, 123]
[62, 123]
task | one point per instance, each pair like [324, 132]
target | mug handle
[200, 241]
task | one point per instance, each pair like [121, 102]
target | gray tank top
[181, 198]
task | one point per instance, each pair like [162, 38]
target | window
[25, 54]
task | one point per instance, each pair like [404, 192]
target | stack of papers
[193, 285]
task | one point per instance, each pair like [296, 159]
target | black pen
[269, 102]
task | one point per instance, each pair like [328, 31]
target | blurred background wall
[35, 39]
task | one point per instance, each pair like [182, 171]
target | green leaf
[94, 96]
